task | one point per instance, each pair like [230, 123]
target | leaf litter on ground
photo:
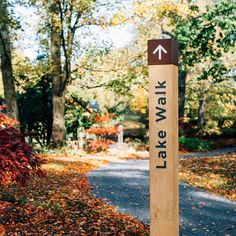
[62, 204]
[214, 174]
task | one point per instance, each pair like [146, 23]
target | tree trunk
[6, 64]
[201, 112]
[182, 88]
[58, 131]
[58, 83]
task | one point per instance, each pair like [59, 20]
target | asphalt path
[125, 184]
[213, 153]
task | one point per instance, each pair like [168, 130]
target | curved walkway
[213, 153]
[126, 184]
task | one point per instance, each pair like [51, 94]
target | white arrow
[159, 49]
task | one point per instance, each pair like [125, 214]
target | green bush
[35, 110]
[196, 144]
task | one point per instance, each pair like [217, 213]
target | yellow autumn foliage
[140, 101]
[161, 8]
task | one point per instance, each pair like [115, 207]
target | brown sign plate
[162, 52]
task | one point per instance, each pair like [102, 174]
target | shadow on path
[126, 184]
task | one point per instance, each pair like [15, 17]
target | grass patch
[216, 175]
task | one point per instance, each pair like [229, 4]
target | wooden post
[163, 126]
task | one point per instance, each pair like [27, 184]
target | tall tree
[6, 61]
[58, 79]
[65, 17]
[210, 36]
[204, 37]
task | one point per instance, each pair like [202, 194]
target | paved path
[126, 184]
[213, 153]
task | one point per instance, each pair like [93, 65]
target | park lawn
[62, 204]
[216, 175]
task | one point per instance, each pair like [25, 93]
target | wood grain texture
[163, 132]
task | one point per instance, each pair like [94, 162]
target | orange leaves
[62, 164]
[99, 145]
[63, 204]
[101, 121]
[216, 175]
[2, 230]
[104, 118]
[6, 121]
[103, 130]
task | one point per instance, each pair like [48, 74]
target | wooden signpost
[163, 133]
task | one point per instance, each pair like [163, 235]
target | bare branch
[168, 33]
[83, 104]
[99, 70]
[95, 86]
[74, 27]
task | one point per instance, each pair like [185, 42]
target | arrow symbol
[159, 49]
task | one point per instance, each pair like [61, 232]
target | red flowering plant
[102, 132]
[17, 161]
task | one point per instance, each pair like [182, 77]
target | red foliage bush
[17, 161]
[6, 121]
[98, 118]
[102, 132]
[100, 145]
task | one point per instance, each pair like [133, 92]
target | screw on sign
[163, 135]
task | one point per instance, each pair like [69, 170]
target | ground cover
[214, 174]
[62, 204]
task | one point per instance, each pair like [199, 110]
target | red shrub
[6, 121]
[106, 118]
[101, 119]
[103, 130]
[17, 161]
[99, 145]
